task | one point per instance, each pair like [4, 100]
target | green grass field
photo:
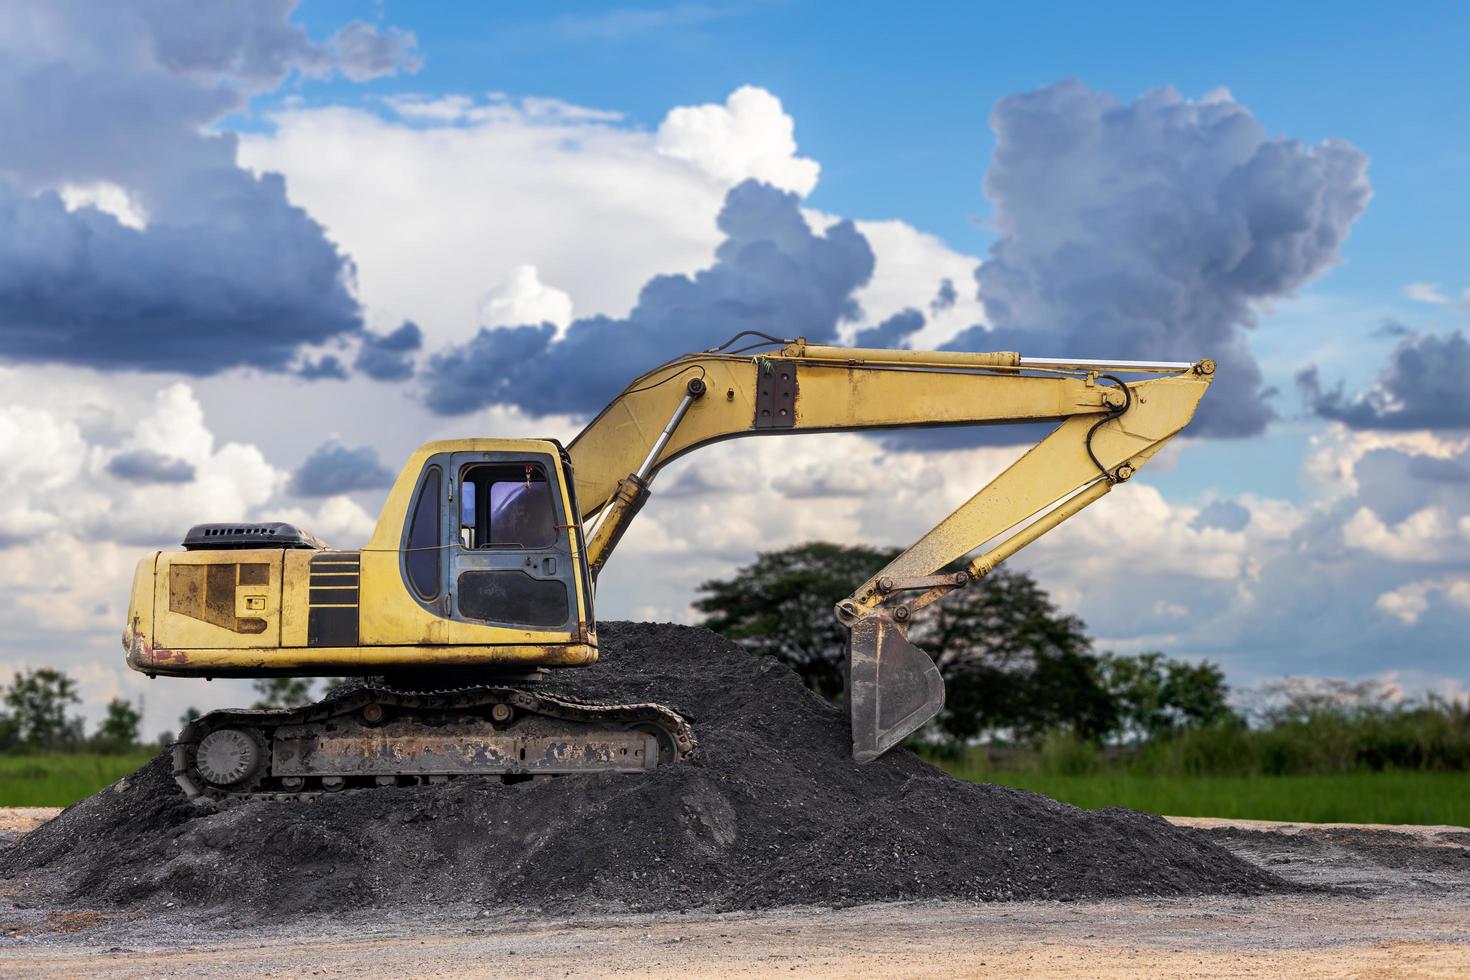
[1363, 797]
[60, 780]
[1360, 797]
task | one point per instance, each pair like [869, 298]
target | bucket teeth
[893, 687]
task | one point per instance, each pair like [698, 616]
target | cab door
[510, 543]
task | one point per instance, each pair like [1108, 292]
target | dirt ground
[1397, 907]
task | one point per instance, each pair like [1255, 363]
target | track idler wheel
[231, 758]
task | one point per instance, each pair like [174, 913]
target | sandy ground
[1398, 909]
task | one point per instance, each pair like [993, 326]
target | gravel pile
[770, 812]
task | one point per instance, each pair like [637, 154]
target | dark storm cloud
[771, 273]
[1155, 230]
[388, 357]
[1421, 387]
[334, 468]
[254, 43]
[945, 298]
[892, 332]
[1221, 515]
[248, 287]
[148, 466]
[329, 367]
[226, 272]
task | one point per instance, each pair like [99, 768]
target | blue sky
[893, 100]
[270, 248]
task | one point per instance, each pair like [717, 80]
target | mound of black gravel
[770, 812]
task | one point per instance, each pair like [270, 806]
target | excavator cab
[476, 565]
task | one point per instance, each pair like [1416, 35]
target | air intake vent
[224, 537]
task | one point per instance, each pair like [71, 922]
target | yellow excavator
[481, 572]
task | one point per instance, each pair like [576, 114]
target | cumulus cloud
[167, 473]
[1155, 230]
[911, 270]
[1421, 387]
[339, 521]
[389, 357]
[435, 184]
[247, 286]
[771, 273]
[128, 235]
[521, 297]
[1412, 600]
[335, 469]
[750, 136]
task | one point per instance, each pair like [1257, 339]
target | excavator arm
[1107, 429]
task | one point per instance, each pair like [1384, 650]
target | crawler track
[372, 737]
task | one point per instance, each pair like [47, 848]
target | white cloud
[1425, 535]
[911, 267]
[1410, 601]
[438, 200]
[71, 532]
[749, 136]
[108, 197]
[460, 211]
[1334, 452]
[339, 521]
[521, 297]
[43, 456]
[1425, 292]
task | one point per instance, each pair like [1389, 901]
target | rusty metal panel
[538, 746]
[775, 394]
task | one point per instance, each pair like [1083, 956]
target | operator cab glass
[506, 507]
[502, 545]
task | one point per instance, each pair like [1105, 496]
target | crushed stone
[771, 811]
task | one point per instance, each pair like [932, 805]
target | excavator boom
[1107, 429]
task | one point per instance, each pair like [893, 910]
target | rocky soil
[770, 812]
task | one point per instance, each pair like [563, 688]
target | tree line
[1020, 674]
[1013, 665]
[36, 714]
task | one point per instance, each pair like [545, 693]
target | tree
[9, 733]
[282, 692]
[1010, 660]
[38, 702]
[1157, 697]
[119, 729]
[781, 605]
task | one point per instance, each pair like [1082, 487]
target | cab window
[506, 506]
[422, 547]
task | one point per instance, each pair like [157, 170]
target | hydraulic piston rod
[1072, 363]
[633, 491]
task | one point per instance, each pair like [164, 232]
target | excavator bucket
[892, 687]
